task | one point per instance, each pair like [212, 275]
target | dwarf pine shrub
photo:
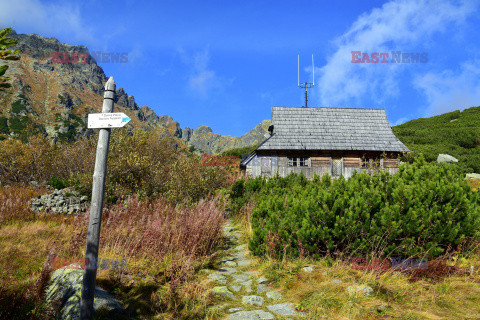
[425, 209]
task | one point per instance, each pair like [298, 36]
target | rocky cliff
[55, 86]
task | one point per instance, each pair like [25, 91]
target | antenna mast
[306, 85]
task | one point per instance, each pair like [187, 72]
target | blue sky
[226, 63]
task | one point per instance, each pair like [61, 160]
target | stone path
[243, 293]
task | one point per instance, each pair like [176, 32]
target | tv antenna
[306, 85]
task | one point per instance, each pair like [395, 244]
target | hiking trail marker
[107, 120]
[103, 121]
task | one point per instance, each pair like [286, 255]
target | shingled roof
[297, 128]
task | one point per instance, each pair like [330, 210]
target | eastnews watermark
[102, 264]
[82, 57]
[219, 161]
[395, 263]
[392, 57]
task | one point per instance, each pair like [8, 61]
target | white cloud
[45, 18]
[449, 90]
[396, 25]
[400, 121]
[202, 80]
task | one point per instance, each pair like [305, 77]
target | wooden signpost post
[105, 121]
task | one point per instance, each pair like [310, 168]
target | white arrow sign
[107, 120]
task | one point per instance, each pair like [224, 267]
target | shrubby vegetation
[140, 164]
[239, 152]
[424, 210]
[455, 133]
[162, 217]
[164, 246]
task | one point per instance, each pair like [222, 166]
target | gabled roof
[298, 128]
[247, 159]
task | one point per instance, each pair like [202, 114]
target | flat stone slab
[241, 277]
[252, 315]
[236, 288]
[262, 288]
[223, 292]
[247, 285]
[274, 295]
[218, 277]
[232, 310]
[237, 234]
[284, 309]
[336, 281]
[253, 300]
[264, 314]
[244, 262]
[229, 263]
[240, 247]
[239, 255]
[244, 315]
[262, 280]
[227, 270]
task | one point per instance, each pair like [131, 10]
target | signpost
[103, 121]
[107, 120]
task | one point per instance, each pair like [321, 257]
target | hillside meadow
[456, 133]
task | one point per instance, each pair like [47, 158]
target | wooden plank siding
[391, 163]
[352, 162]
[321, 161]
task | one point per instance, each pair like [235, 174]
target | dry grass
[395, 296]
[14, 203]
[164, 246]
[474, 183]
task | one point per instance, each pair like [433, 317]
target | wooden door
[337, 167]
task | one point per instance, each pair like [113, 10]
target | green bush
[237, 189]
[57, 182]
[18, 107]
[4, 125]
[425, 209]
[239, 152]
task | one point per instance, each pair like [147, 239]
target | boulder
[360, 290]
[223, 291]
[253, 300]
[446, 158]
[284, 309]
[274, 295]
[262, 280]
[251, 315]
[64, 293]
[472, 176]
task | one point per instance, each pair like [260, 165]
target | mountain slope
[55, 98]
[456, 133]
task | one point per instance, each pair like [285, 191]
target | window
[370, 163]
[298, 162]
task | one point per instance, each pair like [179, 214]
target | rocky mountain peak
[55, 85]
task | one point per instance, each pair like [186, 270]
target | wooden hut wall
[320, 163]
